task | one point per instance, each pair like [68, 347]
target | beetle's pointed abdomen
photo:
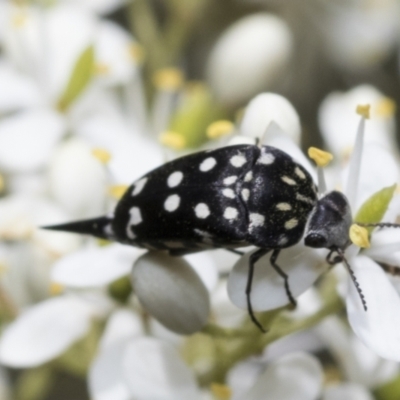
[99, 227]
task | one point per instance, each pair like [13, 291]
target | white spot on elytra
[175, 179]
[266, 159]
[238, 160]
[288, 180]
[202, 211]
[249, 176]
[230, 213]
[138, 186]
[136, 216]
[245, 194]
[172, 202]
[129, 232]
[230, 180]
[256, 220]
[203, 233]
[284, 206]
[208, 164]
[228, 193]
[292, 223]
[304, 199]
[282, 240]
[300, 173]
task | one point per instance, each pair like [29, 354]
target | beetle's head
[329, 223]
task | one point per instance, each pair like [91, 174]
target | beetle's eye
[315, 240]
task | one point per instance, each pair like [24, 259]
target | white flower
[130, 365]
[360, 35]
[45, 331]
[248, 57]
[379, 326]
[338, 120]
[346, 390]
[268, 107]
[296, 376]
[168, 287]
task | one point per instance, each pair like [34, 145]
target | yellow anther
[117, 191]
[2, 183]
[386, 107]
[363, 110]
[136, 52]
[55, 289]
[322, 158]
[101, 69]
[174, 140]
[3, 268]
[221, 392]
[19, 20]
[219, 128]
[168, 79]
[102, 155]
[359, 236]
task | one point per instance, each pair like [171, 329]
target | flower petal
[154, 371]
[123, 324]
[106, 379]
[379, 326]
[301, 264]
[78, 180]
[114, 61]
[338, 120]
[96, 266]
[205, 267]
[171, 292]
[27, 139]
[17, 90]
[44, 331]
[348, 390]
[262, 38]
[266, 108]
[297, 376]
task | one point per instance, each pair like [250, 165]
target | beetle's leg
[335, 260]
[253, 259]
[238, 252]
[285, 277]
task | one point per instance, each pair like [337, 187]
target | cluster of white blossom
[76, 127]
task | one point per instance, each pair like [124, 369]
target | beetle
[230, 197]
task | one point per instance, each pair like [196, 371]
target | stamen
[169, 79]
[322, 159]
[386, 107]
[101, 69]
[364, 110]
[359, 236]
[221, 392]
[117, 191]
[55, 289]
[19, 20]
[173, 139]
[136, 52]
[219, 128]
[355, 159]
[102, 155]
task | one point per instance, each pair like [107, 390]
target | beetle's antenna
[380, 225]
[353, 277]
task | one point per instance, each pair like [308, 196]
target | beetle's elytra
[230, 197]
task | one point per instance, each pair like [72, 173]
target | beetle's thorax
[329, 223]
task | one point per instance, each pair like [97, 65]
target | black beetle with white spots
[230, 197]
